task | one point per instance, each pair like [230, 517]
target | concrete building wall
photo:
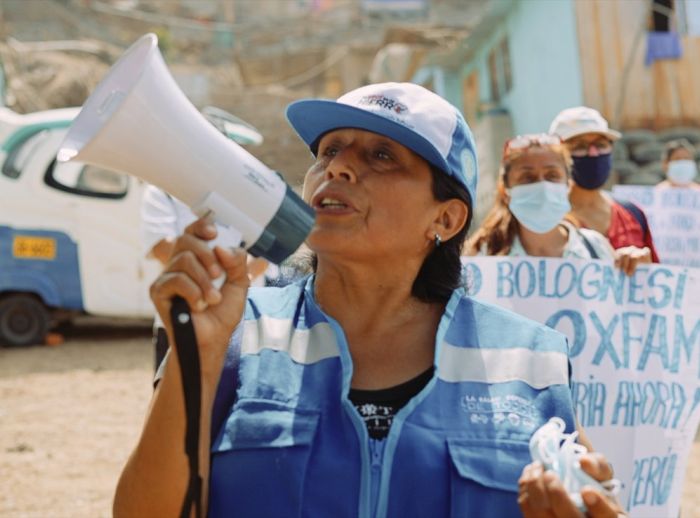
[490, 131]
[545, 77]
[546, 70]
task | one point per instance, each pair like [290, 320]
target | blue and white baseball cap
[411, 115]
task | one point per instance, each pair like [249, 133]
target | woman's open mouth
[332, 203]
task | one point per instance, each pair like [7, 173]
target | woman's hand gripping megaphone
[191, 273]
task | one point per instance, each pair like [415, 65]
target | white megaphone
[138, 121]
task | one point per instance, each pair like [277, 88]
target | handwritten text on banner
[635, 352]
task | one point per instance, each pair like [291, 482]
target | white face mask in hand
[559, 452]
[540, 206]
[682, 172]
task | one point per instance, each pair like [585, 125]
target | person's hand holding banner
[674, 220]
[628, 258]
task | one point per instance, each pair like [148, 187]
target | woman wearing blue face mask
[679, 164]
[532, 199]
[589, 139]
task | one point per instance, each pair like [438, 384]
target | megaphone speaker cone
[138, 121]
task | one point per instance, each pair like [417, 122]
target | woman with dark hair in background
[532, 200]
[359, 389]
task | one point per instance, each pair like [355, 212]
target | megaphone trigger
[229, 234]
[225, 234]
[225, 213]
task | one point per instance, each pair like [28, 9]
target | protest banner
[674, 220]
[635, 354]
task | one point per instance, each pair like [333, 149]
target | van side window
[86, 180]
[20, 153]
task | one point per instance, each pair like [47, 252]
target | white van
[69, 233]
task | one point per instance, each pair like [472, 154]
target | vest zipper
[365, 509]
[376, 449]
[371, 451]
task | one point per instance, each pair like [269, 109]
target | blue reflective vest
[294, 445]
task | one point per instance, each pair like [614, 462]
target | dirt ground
[70, 414]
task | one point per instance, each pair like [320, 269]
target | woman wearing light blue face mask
[531, 201]
[679, 164]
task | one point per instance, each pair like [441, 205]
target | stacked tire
[638, 155]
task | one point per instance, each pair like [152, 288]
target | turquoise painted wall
[545, 63]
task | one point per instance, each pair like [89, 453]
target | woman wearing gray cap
[589, 139]
[374, 387]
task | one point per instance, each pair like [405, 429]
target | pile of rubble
[45, 78]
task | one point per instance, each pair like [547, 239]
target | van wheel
[24, 320]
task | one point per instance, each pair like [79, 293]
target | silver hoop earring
[438, 240]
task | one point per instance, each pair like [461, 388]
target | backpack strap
[587, 243]
[637, 213]
[227, 391]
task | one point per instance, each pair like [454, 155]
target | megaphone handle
[188, 355]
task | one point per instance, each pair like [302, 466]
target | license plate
[31, 247]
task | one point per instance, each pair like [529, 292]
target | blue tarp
[662, 45]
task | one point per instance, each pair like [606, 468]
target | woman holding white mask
[531, 202]
[679, 165]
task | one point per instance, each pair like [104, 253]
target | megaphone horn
[138, 121]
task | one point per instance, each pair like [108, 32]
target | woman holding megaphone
[372, 387]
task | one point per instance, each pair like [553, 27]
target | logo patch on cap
[383, 102]
[468, 166]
